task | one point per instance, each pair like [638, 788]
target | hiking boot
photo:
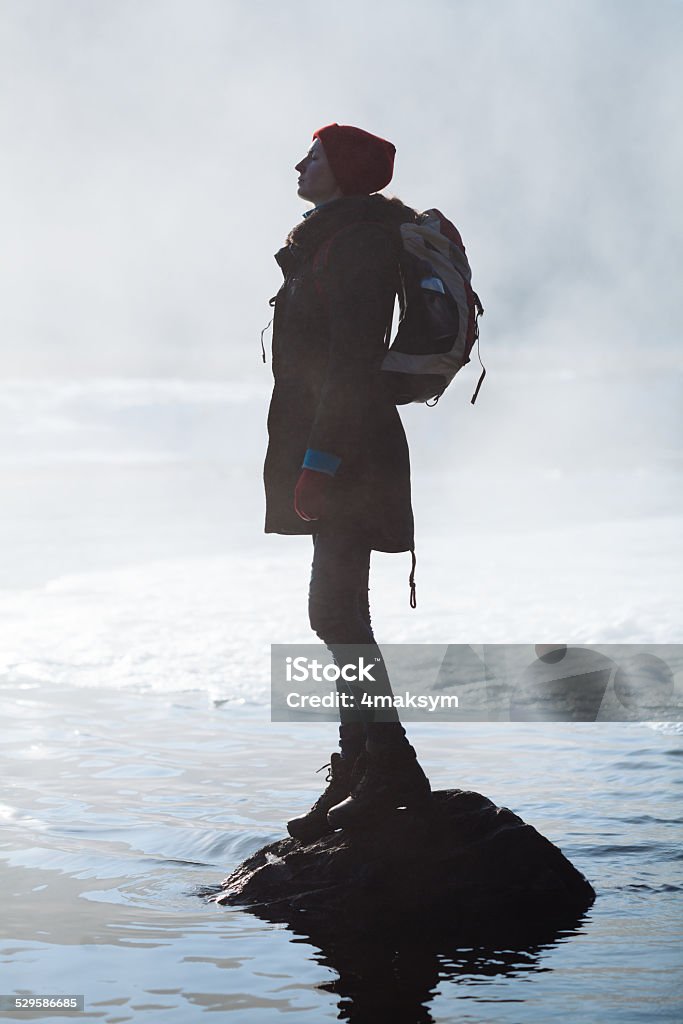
[392, 778]
[313, 824]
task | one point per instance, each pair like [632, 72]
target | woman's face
[317, 183]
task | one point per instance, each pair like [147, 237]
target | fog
[147, 178]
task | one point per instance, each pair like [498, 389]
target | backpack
[439, 312]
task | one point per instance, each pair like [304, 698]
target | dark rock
[465, 864]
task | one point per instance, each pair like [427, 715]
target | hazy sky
[147, 168]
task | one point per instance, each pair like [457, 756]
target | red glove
[310, 494]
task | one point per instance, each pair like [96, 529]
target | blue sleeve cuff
[322, 462]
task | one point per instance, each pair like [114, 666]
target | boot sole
[310, 836]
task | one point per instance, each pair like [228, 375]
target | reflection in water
[396, 977]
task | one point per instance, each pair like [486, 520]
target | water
[139, 763]
[119, 807]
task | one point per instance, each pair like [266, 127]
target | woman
[337, 464]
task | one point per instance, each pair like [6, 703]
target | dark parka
[331, 314]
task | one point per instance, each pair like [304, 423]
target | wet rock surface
[465, 864]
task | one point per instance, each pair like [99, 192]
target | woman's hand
[310, 494]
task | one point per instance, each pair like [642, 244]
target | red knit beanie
[362, 163]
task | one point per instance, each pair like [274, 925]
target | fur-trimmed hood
[306, 237]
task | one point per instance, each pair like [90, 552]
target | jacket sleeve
[359, 283]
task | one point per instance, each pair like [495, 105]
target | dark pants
[339, 613]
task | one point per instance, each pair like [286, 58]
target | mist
[148, 177]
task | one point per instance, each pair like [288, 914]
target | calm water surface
[137, 602]
[118, 807]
